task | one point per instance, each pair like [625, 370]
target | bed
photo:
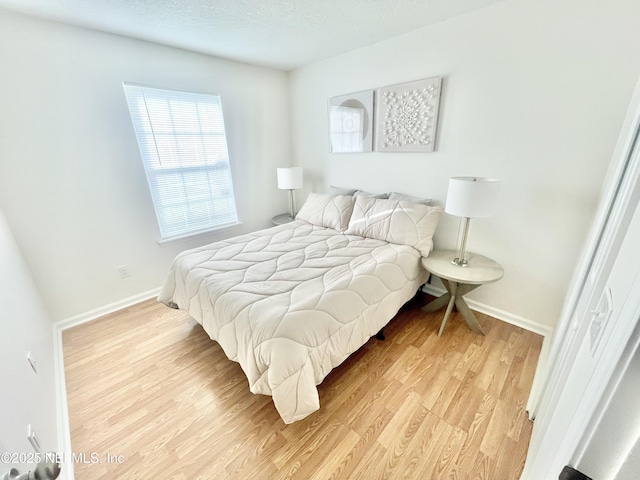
[291, 302]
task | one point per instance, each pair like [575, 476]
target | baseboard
[536, 388]
[516, 320]
[64, 432]
[105, 310]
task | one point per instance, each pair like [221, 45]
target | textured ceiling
[283, 34]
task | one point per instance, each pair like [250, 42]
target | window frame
[186, 159]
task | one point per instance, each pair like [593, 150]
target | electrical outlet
[123, 271]
[32, 361]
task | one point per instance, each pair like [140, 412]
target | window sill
[194, 235]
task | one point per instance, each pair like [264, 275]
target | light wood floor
[147, 383]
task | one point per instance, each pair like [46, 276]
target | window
[184, 151]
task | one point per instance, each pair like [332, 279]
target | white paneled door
[595, 336]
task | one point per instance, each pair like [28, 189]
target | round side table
[459, 281]
[282, 219]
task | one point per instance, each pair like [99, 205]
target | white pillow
[326, 210]
[409, 198]
[362, 193]
[395, 221]
[333, 190]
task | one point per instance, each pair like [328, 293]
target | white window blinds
[184, 150]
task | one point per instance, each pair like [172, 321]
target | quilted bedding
[291, 302]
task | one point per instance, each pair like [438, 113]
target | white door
[597, 322]
[613, 318]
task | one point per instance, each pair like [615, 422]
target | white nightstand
[459, 281]
[282, 219]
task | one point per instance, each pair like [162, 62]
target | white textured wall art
[407, 116]
[351, 122]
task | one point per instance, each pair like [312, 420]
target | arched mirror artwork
[351, 122]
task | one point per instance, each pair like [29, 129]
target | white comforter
[290, 303]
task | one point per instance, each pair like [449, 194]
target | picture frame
[407, 116]
[351, 122]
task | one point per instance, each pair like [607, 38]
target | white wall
[26, 398]
[534, 93]
[72, 185]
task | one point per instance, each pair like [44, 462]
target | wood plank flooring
[148, 384]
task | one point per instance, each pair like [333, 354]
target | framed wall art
[351, 122]
[407, 116]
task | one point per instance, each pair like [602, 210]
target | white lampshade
[290, 178]
[472, 197]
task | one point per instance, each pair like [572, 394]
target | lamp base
[292, 205]
[461, 259]
[460, 262]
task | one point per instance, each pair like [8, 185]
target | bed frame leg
[380, 334]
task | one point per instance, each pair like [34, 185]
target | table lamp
[470, 197]
[290, 178]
